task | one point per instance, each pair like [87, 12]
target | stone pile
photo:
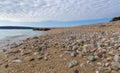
[101, 49]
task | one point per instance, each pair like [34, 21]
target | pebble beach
[82, 49]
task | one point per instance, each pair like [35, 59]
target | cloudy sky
[57, 10]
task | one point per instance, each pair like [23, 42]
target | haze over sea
[15, 33]
[4, 34]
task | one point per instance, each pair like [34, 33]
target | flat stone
[84, 50]
[72, 63]
[16, 61]
[74, 47]
[73, 54]
[116, 58]
[91, 58]
[115, 66]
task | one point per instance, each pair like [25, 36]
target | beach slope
[82, 49]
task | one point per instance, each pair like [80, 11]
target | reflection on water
[4, 34]
[7, 37]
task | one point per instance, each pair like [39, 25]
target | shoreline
[86, 49]
[8, 42]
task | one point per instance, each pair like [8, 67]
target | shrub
[116, 18]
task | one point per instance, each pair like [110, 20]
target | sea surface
[10, 33]
[9, 36]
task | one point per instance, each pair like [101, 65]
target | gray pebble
[91, 58]
[72, 63]
[116, 58]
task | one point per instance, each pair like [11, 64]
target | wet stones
[73, 63]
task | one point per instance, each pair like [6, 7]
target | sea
[8, 36]
[10, 33]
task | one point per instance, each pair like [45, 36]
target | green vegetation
[115, 19]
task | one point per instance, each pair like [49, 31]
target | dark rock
[40, 58]
[31, 59]
[100, 55]
[6, 66]
[76, 71]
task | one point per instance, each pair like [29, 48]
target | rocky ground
[84, 49]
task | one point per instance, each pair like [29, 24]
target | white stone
[116, 58]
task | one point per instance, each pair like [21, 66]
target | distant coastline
[22, 27]
[15, 27]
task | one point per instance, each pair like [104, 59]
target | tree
[115, 19]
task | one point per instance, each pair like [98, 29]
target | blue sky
[54, 23]
[57, 12]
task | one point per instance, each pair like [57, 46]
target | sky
[57, 12]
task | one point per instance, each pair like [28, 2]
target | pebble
[107, 64]
[76, 71]
[39, 58]
[109, 59]
[84, 50]
[100, 55]
[72, 63]
[115, 66]
[35, 53]
[6, 66]
[91, 58]
[116, 58]
[99, 63]
[97, 72]
[45, 58]
[73, 54]
[16, 61]
[106, 71]
[74, 47]
[102, 50]
[31, 59]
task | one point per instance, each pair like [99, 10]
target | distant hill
[15, 27]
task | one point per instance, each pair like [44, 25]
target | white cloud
[62, 10]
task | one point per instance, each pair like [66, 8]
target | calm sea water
[9, 33]
[11, 36]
